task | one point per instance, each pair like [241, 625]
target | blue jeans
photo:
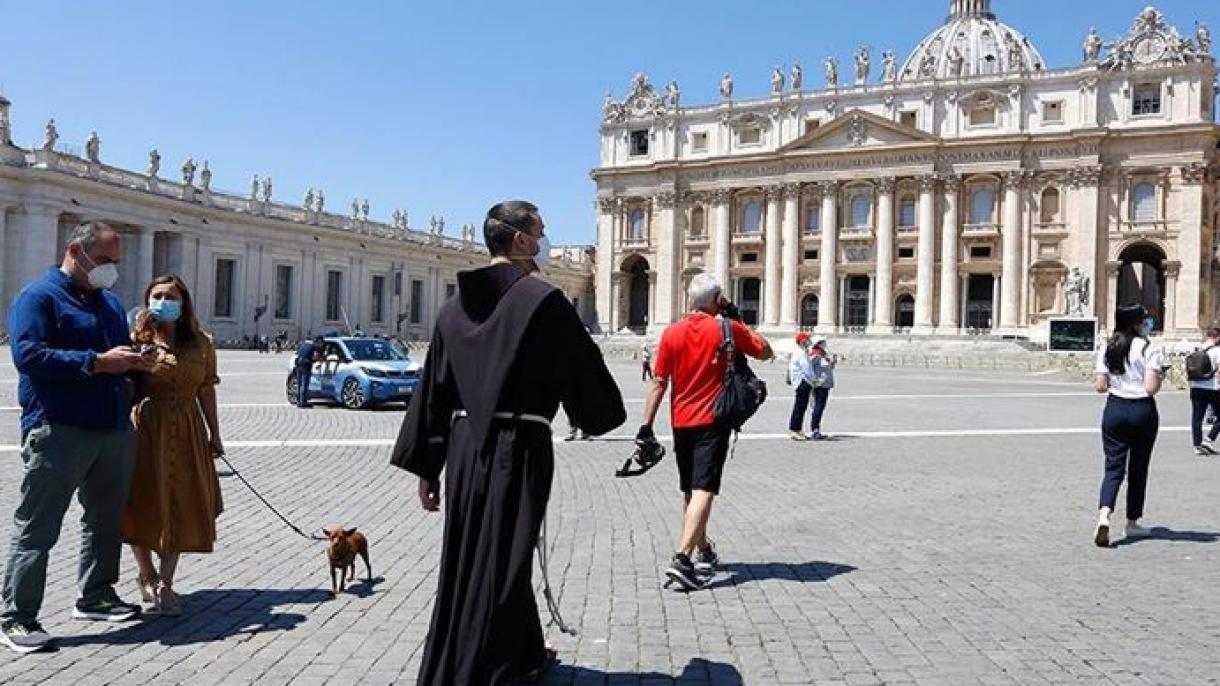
[1200, 400]
[303, 376]
[61, 460]
[1128, 434]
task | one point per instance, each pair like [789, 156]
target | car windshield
[373, 350]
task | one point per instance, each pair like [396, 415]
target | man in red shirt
[690, 356]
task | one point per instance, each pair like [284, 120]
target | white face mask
[102, 275]
[543, 257]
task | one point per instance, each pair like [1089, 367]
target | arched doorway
[856, 317]
[1141, 280]
[749, 299]
[636, 270]
[904, 311]
[809, 311]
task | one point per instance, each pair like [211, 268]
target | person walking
[505, 354]
[646, 363]
[823, 368]
[691, 357]
[175, 493]
[70, 345]
[1201, 368]
[1130, 370]
[800, 377]
[308, 353]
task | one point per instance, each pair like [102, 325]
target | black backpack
[743, 391]
[1199, 365]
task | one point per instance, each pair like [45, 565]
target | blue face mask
[165, 310]
[1146, 327]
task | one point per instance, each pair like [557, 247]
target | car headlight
[373, 372]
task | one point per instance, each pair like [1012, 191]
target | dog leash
[271, 507]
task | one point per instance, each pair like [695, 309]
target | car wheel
[290, 389]
[353, 394]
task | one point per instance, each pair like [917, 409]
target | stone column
[35, 242]
[1089, 235]
[883, 311]
[965, 293]
[828, 299]
[1112, 271]
[1010, 299]
[872, 296]
[791, 256]
[669, 247]
[148, 243]
[606, 226]
[722, 235]
[616, 296]
[1187, 293]
[843, 299]
[924, 271]
[949, 294]
[998, 282]
[1176, 319]
[771, 277]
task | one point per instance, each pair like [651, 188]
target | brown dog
[344, 546]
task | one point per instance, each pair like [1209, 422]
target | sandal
[148, 589]
[534, 676]
[169, 604]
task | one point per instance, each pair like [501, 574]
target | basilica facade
[256, 266]
[970, 188]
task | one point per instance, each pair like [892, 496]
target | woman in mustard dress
[175, 494]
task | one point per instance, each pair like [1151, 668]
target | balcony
[856, 233]
[981, 230]
[635, 242]
[907, 230]
[1050, 229]
[747, 238]
[1154, 227]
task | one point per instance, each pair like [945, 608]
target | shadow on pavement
[698, 672]
[805, 572]
[211, 615]
[1160, 533]
[364, 588]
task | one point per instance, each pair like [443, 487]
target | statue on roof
[205, 178]
[1092, 46]
[52, 135]
[188, 171]
[320, 201]
[864, 62]
[364, 209]
[889, 70]
[93, 148]
[267, 189]
[957, 61]
[1016, 56]
[1203, 36]
[672, 95]
[254, 187]
[798, 76]
[777, 80]
[154, 163]
[831, 66]
[308, 201]
[726, 86]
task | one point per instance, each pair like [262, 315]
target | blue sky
[438, 107]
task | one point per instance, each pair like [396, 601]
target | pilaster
[882, 320]
[606, 259]
[771, 299]
[668, 249]
[1010, 297]
[791, 256]
[828, 298]
[722, 235]
[949, 294]
[925, 283]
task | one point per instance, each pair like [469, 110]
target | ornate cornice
[953, 182]
[1194, 173]
[607, 205]
[1016, 179]
[720, 196]
[791, 191]
[1085, 176]
[886, 184]
[927, 184]
[665, 200]
[774, 193]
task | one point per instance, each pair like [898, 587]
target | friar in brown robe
[505, 353]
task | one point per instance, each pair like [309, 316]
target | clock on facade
[1149, 49]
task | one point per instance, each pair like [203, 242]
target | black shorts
[701, 453]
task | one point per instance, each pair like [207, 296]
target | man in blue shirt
[71, 346]
[307, 353]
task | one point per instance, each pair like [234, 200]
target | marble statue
[205, 177]
[320, 201]
[254, 187]
[672, 95]
[957, 61]
[308, 202]
[832, 72]
[864, 62]
[726, 86]
[52, 135]
[889, 71]
[267, 189]
[188, 172]
[356, 209]
[1076, 291]
[798, 76]
[364, 209]
[396, 218]
[154, 162]
[927, 64]
[1092, 45]
[406, 220]
[440, 226]
[1203, 36]
[1016, 58]
[777, 80]
[93, 148]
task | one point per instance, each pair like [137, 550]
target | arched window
[982, 206]
[697, 222]
[1143, 202]
[639, 225]
[861, 209]
[1050, 206]
[906, 211]
[751, 217]
[813, 219]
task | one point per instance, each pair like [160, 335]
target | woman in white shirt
[1130, 369]
[1205, 393]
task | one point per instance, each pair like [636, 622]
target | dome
[971, 42]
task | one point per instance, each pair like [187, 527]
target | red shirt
[690, 357]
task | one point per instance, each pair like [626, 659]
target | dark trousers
[646, 372]
[799, 406]
[1200, 400]
[820, 397]
[1128, 433]
[303, 376]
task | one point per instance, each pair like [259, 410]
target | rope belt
[511, 416]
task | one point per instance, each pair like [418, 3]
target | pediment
[858, 129]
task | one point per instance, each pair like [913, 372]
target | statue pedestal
[46, 159]
[95, 170]
[152, 184]
[188, 193]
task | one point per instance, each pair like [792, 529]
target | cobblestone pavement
[943, 539]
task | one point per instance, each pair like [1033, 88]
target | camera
[729, 310]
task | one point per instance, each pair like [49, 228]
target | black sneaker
[683, 573]
[706, 559]
[25, 637]
[106, 610]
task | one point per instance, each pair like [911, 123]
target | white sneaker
[797, 436]
[1101, 535]
[1134, 530]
